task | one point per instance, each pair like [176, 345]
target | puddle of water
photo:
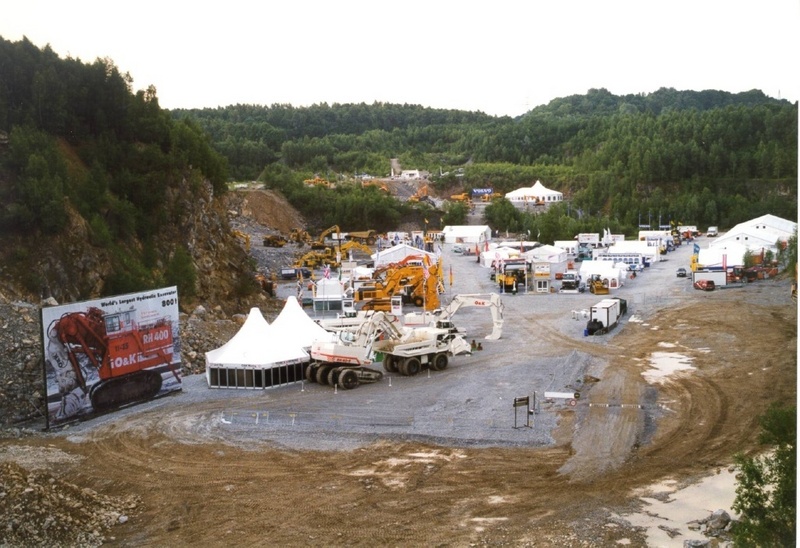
[680, 507]
[665, 363]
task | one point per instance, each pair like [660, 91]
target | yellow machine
[406, 280]
[319, 243]
[316, 258]
[368, 237]
[244, 237]
[463, 197]
[299, 236]
[274, 240]
[598, 286]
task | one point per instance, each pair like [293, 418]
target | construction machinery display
[415, 279]
[343, 362]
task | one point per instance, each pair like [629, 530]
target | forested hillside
[91, 169]
[101, 190]
[701, 157]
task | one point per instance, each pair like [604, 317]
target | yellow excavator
[319, 243]
[406, 280]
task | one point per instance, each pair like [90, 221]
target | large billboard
[108, 353]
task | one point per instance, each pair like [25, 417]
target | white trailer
[605, 315]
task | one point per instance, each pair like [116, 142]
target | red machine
[122, 351]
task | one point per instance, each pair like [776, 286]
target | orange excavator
[124, 353]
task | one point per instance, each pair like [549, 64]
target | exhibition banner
[108, 353]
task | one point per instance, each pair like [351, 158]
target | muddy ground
[178, 478]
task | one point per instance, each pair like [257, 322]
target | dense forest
[75, 135]
[698, 157]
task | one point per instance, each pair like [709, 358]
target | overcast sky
[501, 57]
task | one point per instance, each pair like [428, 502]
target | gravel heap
[40, 510]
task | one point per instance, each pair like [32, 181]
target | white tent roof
[538, 190]
[466, 234]
[398, 253]
[547, 253]
[294, 325]
[255, 344]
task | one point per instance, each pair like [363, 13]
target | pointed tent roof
[399, 252]
[538, 190]
[293, 324]
[255, 344]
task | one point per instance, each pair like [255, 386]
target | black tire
[311, 372]
[333, 376]
[389, 363]
[322, 374]
[418, 301]
[348, 379]
[411, 366]
[439, 362]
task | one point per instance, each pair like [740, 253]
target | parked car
[681, 273]
[705, 285]
[458, 249]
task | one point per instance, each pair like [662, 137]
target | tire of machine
[439, 362]
[333, 376]
[389, 363]
[411, 366]
[311, 372]
[348, 379]
[418, 301]
[322, 374]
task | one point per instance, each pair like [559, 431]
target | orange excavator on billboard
[124, 352]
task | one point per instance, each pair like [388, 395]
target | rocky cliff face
[69, 267]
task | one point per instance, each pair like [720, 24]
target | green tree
[182, 273]
[766, 491]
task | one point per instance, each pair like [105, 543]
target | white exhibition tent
[467, 234]
[606, 270]
[255, 357]
[399, 252]
[294, 325]
[729, 255]
[536, 193]
[546, 254]
[761, 233]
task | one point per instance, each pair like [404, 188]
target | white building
[761, 233]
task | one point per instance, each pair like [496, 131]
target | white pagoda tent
[293, 324]
[536, 194]
[255, 357]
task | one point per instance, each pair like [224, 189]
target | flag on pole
[451, 275]
[425, 272]
[326, 272]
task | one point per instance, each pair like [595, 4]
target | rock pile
[40, 510]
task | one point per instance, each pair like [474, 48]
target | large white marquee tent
[537, 193]
[256, 357]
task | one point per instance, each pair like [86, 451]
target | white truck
[571, 282]
[712, 232]
[344, 362]
[604, 316]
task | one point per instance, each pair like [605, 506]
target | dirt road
[631, 427]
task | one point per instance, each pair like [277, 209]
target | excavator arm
[491, 301]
